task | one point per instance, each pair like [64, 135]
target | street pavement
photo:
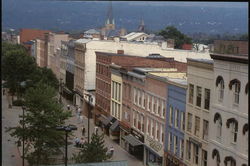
[11, 154]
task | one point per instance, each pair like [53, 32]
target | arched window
[220, 84]
[218, 121]
[233, 124]
[245, 134]
[236, 84]
[216, 153]
[229, 161]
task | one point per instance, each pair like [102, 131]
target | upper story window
[197, 126]
[170, 115]
[207, 99]
[183, 121]
[233, 124]
[198, 96]
[189, 122]
[205, 130]
[191, 93]
[176, 118]
[235, 84]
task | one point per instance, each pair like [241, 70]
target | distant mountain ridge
[70, 15]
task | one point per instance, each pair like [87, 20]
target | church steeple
[110, 22]
[141, 27]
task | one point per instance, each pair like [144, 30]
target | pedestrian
[76, 108]
[96, 130]
[81, 119]
[82, 141]
[68, 107]
[83, 131]
[111, 150]
[77, 141]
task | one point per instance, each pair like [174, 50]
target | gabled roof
[133, 35]
[92, 31]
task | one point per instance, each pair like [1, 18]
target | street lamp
[67, 129]
[23, 108]
[89, 96]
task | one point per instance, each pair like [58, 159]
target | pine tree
[95, 151]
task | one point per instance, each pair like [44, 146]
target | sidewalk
[119, 153]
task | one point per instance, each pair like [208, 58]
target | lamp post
[67, 129]
[89, 96]
[23, 108]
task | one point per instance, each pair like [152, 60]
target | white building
[200, 84]
[136, 36]
[228, 128]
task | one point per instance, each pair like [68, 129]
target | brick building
[31, 34]
[231, 47]
[121, 90]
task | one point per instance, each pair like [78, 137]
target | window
[181, 148]
[143, 100]
[188, 150]
[140, 97]
[142, 123]
[135, 95]
[197, 126]
[183, 120]
[169, 141]
[221, 90]
[152, 127]
[163, 109]
[191, 93]
[138, 121]
[154, 108]
[205, 130]
[159, 108]
[204, 158]
[236, 93]
[176, 118]
[189, 125]
[119, 92]
[196, 154]
[162, 133]
[234, 130]
[134, 116]
[149, 103]
[219, 128]
[176, 145]
[170, 115]
[157, 131]
[207, 99]
[198, 96]
[148, 126]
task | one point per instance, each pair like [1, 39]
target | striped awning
[132, 140]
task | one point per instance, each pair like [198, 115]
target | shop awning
[104, 120]
[132, 140]
[115, 126]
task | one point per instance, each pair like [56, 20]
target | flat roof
[172, 75]
[147, 69]
[209, 61]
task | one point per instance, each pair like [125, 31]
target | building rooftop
[92, 31]
[201, 60]
[105, 163]
[168, 75]
[83, 40]
[133, 35]
[142, 69]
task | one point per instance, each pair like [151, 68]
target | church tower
[141, 27]
[110, 22]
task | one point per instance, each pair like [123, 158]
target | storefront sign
[137, 135]
[154, 144]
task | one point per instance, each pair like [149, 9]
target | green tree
[95, 151]
[43, 114]
[45, 75]
[171, 32]
[17, 67]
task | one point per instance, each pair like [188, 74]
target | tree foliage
[95, 151]
[17, 66]
[42, 115]
[171, 32]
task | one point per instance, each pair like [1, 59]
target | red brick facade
[103, 75]
[31, 34]
[231, 47]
